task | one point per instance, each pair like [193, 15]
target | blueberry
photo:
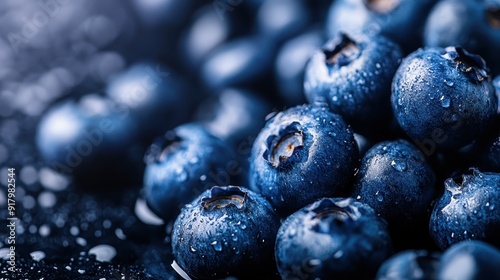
[396, 181]
[238, 63]
[150, 92]
[92, 140]
[443, 98]
[235, 116]
[333, 238]
[474, 25]
[470, 260]
[290, 65]
[302, 154]
[410, 265]
[400, 20]
[353, 74]
[226, 231]
[183, 164]
[467, 210]
[279, 20]
[207, 31]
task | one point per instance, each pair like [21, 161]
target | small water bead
[399, 165]
[379, 196]
[445, 101]
[217, 246]
[448, 83]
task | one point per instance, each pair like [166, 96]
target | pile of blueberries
[252, 139]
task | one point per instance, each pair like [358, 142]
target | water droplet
[448, 83]
[338, 254]
[37, 255]
[399, 165]
[492, 207]
[314, 262]
[380, 196]
[400, 101]
[377, 65]
[203, 177]
[182, 175]
[81, 271]
[292, 232]
[192, 249]
[452, 234]
[234, 237]
[358, 197]
[243, 226]
[217, 246]
[445, 101]
[103, 253]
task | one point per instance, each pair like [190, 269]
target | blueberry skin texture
[400, 20]
[443, 98]
[154, 96]
[92, 140]
[470, 260]
[410, 265]
[396, 181]
[353, 74]
[333, 238]
[467, 211]
[302, 154]
[473, 25]
[226, 231]
[184, 163]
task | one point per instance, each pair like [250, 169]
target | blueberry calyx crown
[468, 63]
[341, 51]
[382, 6]
[455, 184]
[493, 16]
[221, 197]
[163, 146]
[283, 146]
[328, 212]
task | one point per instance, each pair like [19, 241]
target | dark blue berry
[302, 154]
[353, 74]
[154, 96]
[397, 182]
[290, 64]
[400, 20]
[226, 231]
[183, 164]
[467, 210]
[93, 140]
[470, 260]
[410, 265]
[333, 238]
[443, 98]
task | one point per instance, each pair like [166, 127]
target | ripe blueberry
[333, 238]
[302, 154]
[443, 98]
[467, 210]
[183, 164]
[226, 231]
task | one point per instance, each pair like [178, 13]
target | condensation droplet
[399, 165]
[445, 101]
[217, 246]
[379, 196]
